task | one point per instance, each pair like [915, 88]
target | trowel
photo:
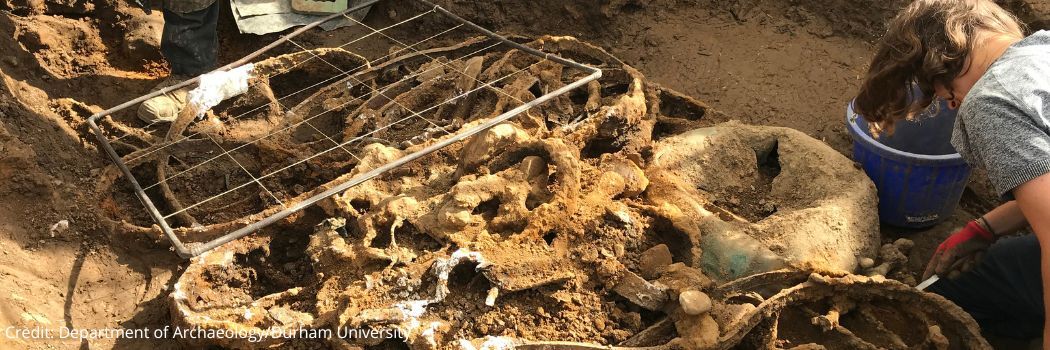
[319, 7]
[928, 282]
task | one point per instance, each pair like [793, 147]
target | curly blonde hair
[927, 43]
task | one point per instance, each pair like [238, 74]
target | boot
[164, 107]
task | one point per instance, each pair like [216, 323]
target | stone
[904, 245]
[696, 332]
[654, 261]
[635, 181]
[866, 263]
[641, 292]
[59, 228]
[490, 300]
[695, 302]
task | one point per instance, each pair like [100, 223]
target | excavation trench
[583, 220]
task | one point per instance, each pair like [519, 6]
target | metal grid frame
[187, 251]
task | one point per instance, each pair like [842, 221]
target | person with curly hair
[973, 56]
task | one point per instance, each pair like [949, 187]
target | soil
[776, 63]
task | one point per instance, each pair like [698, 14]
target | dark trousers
[1004, 293]
[190, 42]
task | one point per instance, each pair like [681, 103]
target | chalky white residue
[442, 268]
[207, 258]
[498, 343]
[177, 292]
[215, 87]
[201, 258]
[414, 309]
[490, 300]
[429, 332]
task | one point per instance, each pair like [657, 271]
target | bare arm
[1033, 198]
[1006, 219]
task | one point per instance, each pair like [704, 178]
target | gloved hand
[960, 252]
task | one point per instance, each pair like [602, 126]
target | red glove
[960, 252]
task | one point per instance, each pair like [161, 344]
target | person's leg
[190, 42]
[1004, 293]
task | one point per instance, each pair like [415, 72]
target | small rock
[890, 254]
[694, 302]
[937, 338]
[904, 245]
[490, 300]
[620, 216]
[641, 292]
[866, 263]
[588, 255]
[635, 181]
[59, 228]
[696, 332]
[599, 324]
[882, 269]
[655, 261]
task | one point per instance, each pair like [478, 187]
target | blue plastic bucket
[919, 175]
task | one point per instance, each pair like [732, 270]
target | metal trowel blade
[928, 282]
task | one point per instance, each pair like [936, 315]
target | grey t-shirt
[1003, 125]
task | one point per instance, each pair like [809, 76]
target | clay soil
[791, 63]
